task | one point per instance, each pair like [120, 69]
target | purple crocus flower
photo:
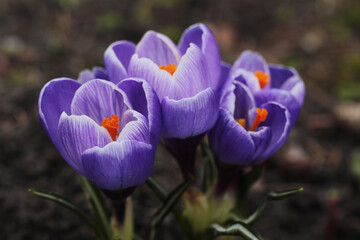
[106, 132]
[270, 82]
[186, 78]
[257, 112]
[96, 73]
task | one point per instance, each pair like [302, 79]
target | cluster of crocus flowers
[107, 124]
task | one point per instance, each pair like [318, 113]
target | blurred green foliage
[54, 47]
[173, 32]
[167, 3]
[284, 13]
[108, 21]
[143, 15]
[69, 4]
[293, 60]
[350, 92]
[347, 22]
[349, 78]
[355, 165]
[351, 15]
[15, 76]
[340, 30]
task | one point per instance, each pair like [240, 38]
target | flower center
[171, 68]
[263, 78]
[242, 122]
[112, 126]
[261, 115]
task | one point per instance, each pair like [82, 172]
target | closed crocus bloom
[270, 82]
[186, 78]
[106, 132]
[245, 133]
[88, 75]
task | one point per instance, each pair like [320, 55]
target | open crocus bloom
[186, 78]
[106, 132]
[246, 134]
[270, 82]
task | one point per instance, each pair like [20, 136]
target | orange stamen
[242, 122]
[261, 115]
[112, 126]
[263, 78]
[171, 68]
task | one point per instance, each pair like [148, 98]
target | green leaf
[69, 205]
[97, 206]
[276, 196]
[237, 229]
[210, 171]
[169, 205]
[161, 193]
[156, 187]
[272, 196]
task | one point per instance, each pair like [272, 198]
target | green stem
[69, 205]
[98, 206]
[241, 197]
[245, 180]
[122, 222]
[161, 193]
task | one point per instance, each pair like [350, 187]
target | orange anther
[263, 78]
[261, 115]
[112, 126]
[242, 122]
[171, 68]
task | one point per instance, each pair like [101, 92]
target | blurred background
[42, 40]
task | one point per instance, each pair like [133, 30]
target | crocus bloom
[106, 132]
[257, 112]
[270, 82]
[96, 73]
[186, 78]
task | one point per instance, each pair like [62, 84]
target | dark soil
[41, 40]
